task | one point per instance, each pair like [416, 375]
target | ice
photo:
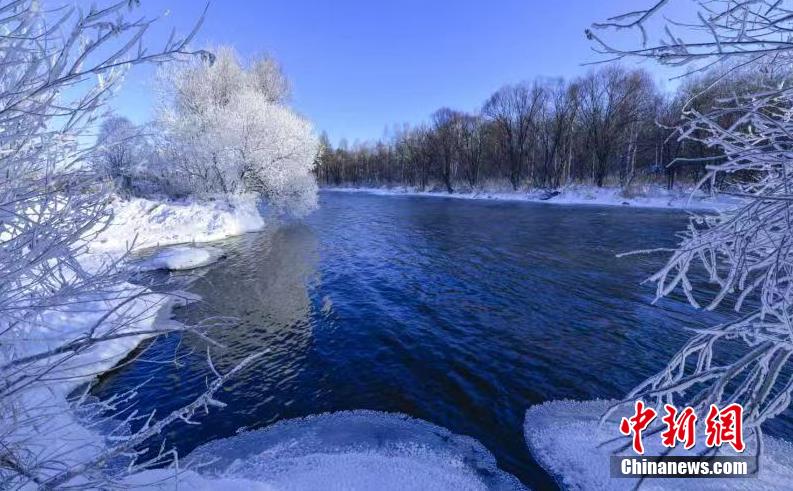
[350, 450]
[564, 438]
[180, 257]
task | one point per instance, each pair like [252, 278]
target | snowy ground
[642, 197]
[145, 223]
[565, 437]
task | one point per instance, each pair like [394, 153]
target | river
[459, 312]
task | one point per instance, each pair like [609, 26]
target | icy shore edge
[56, 432]
[347, 450]
[647, 197]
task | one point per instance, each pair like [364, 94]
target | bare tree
[471, 148]
[557, 125]
[445, 138]
[610, 107]
[514, 110]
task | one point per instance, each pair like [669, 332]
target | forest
[611, 127]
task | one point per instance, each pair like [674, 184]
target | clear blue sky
[358, 66]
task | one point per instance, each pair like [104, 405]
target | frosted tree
[744, 255]
[226, 130]
[119, 151]
[60, 316]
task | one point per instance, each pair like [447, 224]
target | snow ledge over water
[349, 450]
[180, 257]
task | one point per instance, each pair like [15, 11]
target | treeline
[609, 127]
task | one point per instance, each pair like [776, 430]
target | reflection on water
[264, 284]
[460, 313]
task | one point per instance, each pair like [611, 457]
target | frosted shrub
[227, 131]
[747, 253]
[122, 149]
[63, 317]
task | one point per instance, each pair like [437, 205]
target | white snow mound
[565, 438]
[180, 257]
[351, 450]
[147, 223]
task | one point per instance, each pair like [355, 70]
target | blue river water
[461, 313]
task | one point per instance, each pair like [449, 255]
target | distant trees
[471, 147]
[608, 127]
[513, 112]
[225, 129]
[555, 133]
[445, 140]
[614, 105]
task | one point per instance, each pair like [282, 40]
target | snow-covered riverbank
[645, 197]
[155, 223]
[122, 314]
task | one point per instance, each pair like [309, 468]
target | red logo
[636, 424]
[680, 428]
[721, 426]
[725, 427]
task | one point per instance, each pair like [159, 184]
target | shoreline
[137, 224]
[653, 197]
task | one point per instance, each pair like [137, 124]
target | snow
[564, 438]
[145, 223]
[179, 257]
[53, 430]
[644, 197]
[351, 450]
[164, 479]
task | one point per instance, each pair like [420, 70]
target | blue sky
[358, 66]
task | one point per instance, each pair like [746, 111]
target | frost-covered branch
[721, 30]
[741, 259]
[65, 315]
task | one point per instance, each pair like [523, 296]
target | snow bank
[564, 437]
[52, 430]
[152, 223]
[353, 450]
[180, 257]
[645, 197]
